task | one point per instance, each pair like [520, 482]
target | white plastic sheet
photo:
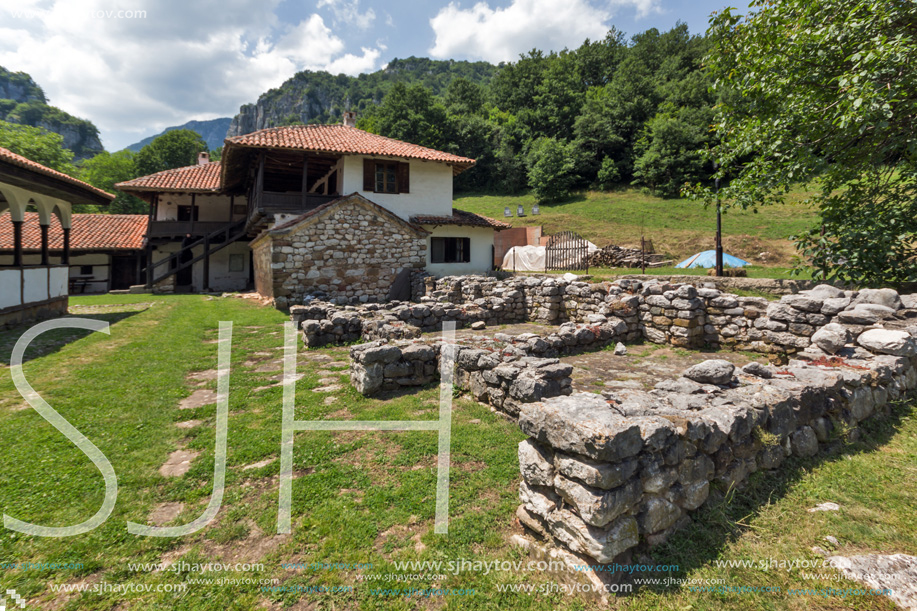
[531, 258]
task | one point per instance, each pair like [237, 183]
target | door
[185, 277]
[123, 273]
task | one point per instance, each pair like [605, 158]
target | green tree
[411, 114]
[105, 170]
[828, 102]
[551, 169]
[174, 149]
[670, 153]
[40, 146]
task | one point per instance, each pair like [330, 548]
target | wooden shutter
[369, 175]
[404, 178]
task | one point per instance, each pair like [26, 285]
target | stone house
[350, 248]
[276, 211]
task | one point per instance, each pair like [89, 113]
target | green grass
[360, 497]
[677, 227]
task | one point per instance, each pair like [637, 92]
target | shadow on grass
[52, 341]
[719, 522]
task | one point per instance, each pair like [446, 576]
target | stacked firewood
[616, 256]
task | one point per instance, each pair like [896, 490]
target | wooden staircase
[212, 243]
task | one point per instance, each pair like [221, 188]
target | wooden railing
[291, 203]
[158, 229]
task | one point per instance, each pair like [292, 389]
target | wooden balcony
[165, 229]
[292, 203]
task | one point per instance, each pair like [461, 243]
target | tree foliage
[828, 101]
[105, 170]
[551, 169]
[607, 104]
[174, 149]
[37, 144]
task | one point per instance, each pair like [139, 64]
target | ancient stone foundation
[605, 475]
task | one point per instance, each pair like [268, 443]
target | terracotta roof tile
[342, 139]
[460, 217]
[18, 160]
[203, 178]
[88, 232]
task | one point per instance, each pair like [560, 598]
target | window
[450, 250]
[386, 176]
[237, 263]
[184, 212]
[85, 270]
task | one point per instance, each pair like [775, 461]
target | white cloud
[348, 12]
[181, 61]
[501, 34]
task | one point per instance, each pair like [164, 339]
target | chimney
[350, 119]
[203, 158]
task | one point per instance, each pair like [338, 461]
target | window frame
[372, 169]
[454, 249]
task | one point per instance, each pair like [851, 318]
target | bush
[609, 175]
[551, 166]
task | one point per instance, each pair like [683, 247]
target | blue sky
[134, 67]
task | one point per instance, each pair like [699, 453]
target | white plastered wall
[481, 240]
[221, 279]
[430, 188]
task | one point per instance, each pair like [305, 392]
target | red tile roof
[204, 178]
[460, 217]
[342, 139]
[88, 232]
[18, 160]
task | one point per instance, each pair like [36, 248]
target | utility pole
[719, 225]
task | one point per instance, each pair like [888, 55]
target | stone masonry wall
[353, 254]
[604, 475]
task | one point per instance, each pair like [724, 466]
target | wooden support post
[17, 243]
[65, 259]
[44, 245]
[207, 264]
[193, 212]
[149, 266]
[259, 181]
[305, 181]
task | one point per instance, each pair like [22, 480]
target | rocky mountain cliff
[321, 97]
[23, 101]
[213, 132]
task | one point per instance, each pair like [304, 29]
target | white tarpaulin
[524, 259]
[531, 258]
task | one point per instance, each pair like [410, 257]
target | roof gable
[325, 210]
[201, 178]
[93, 195]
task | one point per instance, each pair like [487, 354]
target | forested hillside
[612, 112]
[321, 97]
[22, 101]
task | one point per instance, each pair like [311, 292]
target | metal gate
[567, 251]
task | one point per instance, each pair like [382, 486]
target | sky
[134, 67]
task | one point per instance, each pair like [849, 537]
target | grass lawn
[364, 498]
[677, 227]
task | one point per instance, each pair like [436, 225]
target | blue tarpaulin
[708, 259]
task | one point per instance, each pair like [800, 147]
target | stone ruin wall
[604, 475]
